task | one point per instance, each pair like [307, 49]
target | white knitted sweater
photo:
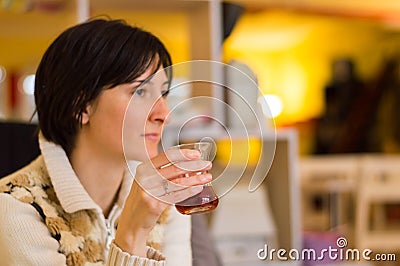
[26, 240]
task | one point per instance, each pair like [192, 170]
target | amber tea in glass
[207, 199]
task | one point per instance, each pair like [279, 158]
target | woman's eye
[140, 92]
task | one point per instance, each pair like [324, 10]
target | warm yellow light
[239, 151]
[271, 105]
[28, 84]
[2, 74]
[291, 54]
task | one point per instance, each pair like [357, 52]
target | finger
[158, 186]
[194, 180]
[159, 189]
[171, 156]
[181, 195]
[193, 166]
[186, 168]
[150, 179]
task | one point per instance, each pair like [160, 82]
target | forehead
[152, 76]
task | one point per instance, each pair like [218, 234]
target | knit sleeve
[24, 238]
[118, 257]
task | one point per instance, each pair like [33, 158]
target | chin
[151, 151]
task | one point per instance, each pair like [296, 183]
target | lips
[152, 136]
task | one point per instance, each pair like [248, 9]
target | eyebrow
[145, 81]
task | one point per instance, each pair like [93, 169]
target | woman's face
[130, 117]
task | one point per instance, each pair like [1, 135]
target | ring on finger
[165, 186]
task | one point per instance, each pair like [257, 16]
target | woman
[76, 204]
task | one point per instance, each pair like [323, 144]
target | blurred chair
[242, 224]
[332, 177]
[378, 185]
[18, 145]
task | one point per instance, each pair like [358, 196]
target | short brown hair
[81, 62]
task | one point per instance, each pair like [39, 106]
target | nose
[159, 111]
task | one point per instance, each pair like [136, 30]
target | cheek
[108, 122]
[116, 116]
[134, 119]
[133, 130]
[112, 129]
[137, 114]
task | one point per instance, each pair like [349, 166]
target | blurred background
[326, 64]
[329, 71]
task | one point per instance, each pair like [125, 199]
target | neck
[100, 174]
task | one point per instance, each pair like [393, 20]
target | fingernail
[206, 178]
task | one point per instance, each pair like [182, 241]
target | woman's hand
[159, 182]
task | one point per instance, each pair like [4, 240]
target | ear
[86, 114]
